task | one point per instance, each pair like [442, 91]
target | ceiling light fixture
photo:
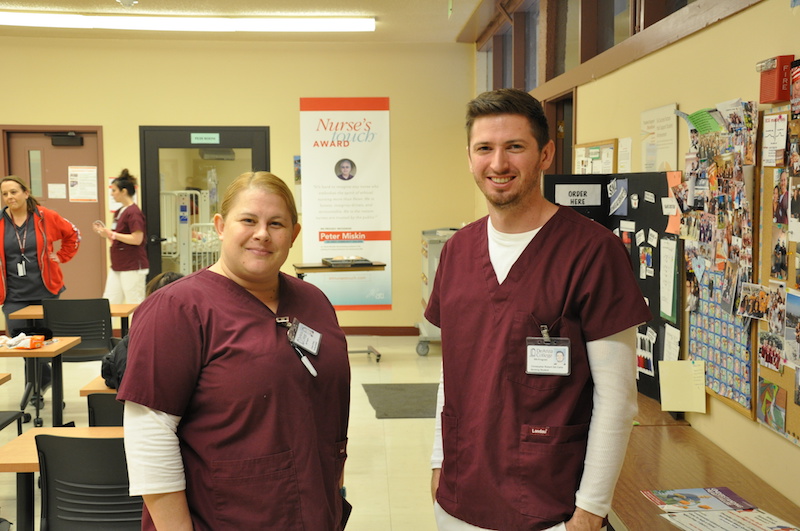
[128, 3]
[203, 24]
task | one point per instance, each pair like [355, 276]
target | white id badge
[305, 337]
[548, 356]
[21, 269]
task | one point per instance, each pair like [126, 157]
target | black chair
[85, 485]
[7, 417]
[88, 318]
[105, 409]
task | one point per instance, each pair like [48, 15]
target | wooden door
[45, 168]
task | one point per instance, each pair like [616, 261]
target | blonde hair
[263, 180]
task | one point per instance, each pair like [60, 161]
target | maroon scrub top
[126, 257]
[515, 443]
[262, 440]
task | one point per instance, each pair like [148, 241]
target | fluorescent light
[216, 24]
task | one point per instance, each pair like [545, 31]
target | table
[301, 270]
[20, 456]
[98, 385]
[5, 377]
[36, 311]
[318, 267]
[673, 457]
[52, 350]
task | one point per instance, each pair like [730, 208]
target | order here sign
[579, 194]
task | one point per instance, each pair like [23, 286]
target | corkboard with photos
[777, 388]
[716, 198]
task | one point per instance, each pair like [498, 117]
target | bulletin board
[777, 389]
[632, 205]
[719, 199]
[596, 158]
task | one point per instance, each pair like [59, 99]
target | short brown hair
[510, 101]
[32, 203]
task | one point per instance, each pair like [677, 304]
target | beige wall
[122, 84]
[714, 66]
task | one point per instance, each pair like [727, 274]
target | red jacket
[49, 227]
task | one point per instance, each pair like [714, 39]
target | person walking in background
[524, 442]
[231, 422]
[129, 266]
[31, 267]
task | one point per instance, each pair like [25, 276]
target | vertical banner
[346, 196]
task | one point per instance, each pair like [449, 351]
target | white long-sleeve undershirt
[155, 465]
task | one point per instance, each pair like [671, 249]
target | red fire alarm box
[775, 78]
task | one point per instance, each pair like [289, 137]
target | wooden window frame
[652, 31]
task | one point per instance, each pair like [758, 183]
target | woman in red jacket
[31, 270]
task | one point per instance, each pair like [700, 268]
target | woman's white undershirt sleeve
[155, 465]
[612, 361]
[438, 448]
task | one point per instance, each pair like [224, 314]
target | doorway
[63, 169]
[560, 112]
[185, 171]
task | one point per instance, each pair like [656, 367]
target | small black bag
[114, 363]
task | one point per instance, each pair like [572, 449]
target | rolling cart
[432, 242]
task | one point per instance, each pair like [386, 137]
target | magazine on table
[697, 499]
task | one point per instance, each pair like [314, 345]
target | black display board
[643, 207]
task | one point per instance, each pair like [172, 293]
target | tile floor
[387, 473]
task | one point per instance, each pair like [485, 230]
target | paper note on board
[683, 385]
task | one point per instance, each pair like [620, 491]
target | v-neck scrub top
[262, 440]
[515, 443]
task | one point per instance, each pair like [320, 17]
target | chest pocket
[527, 325]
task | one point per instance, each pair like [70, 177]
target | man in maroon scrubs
[527, 441]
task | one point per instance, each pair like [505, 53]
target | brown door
[34, 158]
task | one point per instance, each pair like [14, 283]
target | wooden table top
[20, 455]
[5, 377]
[674, 457]
[49, 350]
[36, 311]
[650, 414]
[98, 385]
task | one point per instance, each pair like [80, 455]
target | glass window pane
[508, 67]
[35, 171]
[483, 71]
[674, 5]
[531, 46]
[191, 181]
[613, 23]
[567, 49]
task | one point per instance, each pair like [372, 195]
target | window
[531, 46]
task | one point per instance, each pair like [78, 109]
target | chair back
[85, 485]
[88, 318]
[105, 409]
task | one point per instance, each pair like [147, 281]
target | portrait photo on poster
[345, 169]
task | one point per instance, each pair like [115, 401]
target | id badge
[305, 337]
[548, 356]
[21, 268]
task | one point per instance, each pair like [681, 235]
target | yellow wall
[122, 84]
[714, 66]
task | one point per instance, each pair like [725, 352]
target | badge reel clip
[547, 355]
[303, 340]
